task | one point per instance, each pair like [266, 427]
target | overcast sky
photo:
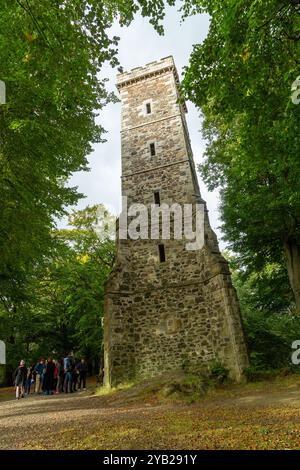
[140, 44]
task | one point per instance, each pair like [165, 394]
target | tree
[241, 78]
[51, 54]
[78, 279]
[63, 307]
[265, 290]
[267, 308]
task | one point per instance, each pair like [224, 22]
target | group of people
[51, 376]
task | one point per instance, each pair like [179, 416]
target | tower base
[160, 328]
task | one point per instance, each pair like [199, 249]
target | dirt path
[268, 418]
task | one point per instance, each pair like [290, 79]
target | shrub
[218, 373]
[269, 338]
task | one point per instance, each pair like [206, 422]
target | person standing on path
[69, 365]
[55, 382]
[82, 368]
[60, 376]
[48, 383]
[20, 379]
[29, 379]
[75, 376]
[39, 371]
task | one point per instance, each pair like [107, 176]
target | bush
[211, 374]
[269, 338]
[253, 374]
[218, 373]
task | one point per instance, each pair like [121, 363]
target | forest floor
[262, 415]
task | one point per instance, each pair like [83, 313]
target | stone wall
[160, 316]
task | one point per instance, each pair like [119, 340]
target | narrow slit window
[152, 150]
[162, 253]
[157, 198]
[148, 108]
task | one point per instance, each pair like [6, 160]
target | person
[39, 370]
[75, 375]
[43, 376]
[55, 376]
[33, 382]
[29, 380]
[20, 379]
[68, 369]
[48, 382]
[60, 376]
[83, 370]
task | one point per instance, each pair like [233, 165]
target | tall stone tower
[165, 306]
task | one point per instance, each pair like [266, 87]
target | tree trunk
[292, 255]
[100, 376]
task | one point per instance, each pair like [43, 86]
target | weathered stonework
[160, 316]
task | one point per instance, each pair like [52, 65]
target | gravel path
[259, 419]
[40, 422]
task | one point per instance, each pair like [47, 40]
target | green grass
[7, 393]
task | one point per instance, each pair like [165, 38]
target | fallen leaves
[240, 418]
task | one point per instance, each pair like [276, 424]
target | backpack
[69, 364]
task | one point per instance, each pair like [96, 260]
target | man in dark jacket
[20, 379]
[83, 370]
[48, 383]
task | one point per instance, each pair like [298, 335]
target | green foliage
[270, 338]
[241, 78]
[266, 290]
[254, 373]
[63, 308]
[211, 374]
[270, 321]
[218, 373]
[188, 388]
[51, 54]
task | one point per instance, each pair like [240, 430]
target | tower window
[157, 198]
[152, 150]
[162, 254]
[148, 108]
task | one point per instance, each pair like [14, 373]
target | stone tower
[165, 307]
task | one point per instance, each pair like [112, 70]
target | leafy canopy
[63, 307]
[241, 78]
[51, 54]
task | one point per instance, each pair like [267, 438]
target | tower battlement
[150, 70]
[142, 73]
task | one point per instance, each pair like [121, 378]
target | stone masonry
[162, 315]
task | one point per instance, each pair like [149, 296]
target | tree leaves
[241, 78]
[62, 303]
[51, 54]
